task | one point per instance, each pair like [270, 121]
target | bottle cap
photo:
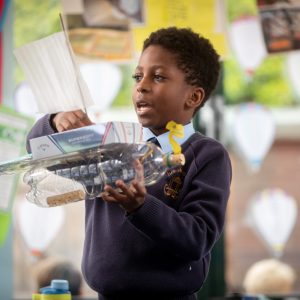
[60, 284]
[36, 297]
[56, 297]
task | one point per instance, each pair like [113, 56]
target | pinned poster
[253, 133]
[101, 29]
[13, 129]
[247, 43]
[203, 16]
[39, 226]
[272, 213]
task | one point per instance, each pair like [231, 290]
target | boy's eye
[137, 77]
[158, 78]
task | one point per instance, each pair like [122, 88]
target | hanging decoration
[39, 226]
[272, 214]
[104, 81]
[24, 100]
[253, 133]
[246, 40]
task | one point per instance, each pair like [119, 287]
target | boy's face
[160, 93]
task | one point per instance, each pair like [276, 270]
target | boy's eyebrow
[152, 67]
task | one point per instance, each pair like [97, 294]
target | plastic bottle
[58, 290]
[84, 175]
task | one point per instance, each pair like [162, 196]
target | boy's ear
[196, 98]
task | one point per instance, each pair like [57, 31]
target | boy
[155, 242]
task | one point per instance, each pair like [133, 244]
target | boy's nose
[141, 90]
[143, 86]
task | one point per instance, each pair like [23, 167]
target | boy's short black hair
[195, 55]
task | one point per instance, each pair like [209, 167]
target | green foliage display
[237, 9]
[268, 85]
[124, 96]
[235, 82]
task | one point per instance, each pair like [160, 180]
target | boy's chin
[154, 127]
[145, 123]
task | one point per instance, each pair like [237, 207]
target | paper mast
[53, 75]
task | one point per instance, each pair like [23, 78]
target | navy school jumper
[162, 250]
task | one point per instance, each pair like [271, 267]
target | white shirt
[163, 139]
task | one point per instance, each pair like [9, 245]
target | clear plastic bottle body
[84, 175]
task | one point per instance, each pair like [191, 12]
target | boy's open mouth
[142, 107]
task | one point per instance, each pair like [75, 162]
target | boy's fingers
[70, 120]
[106, 197]
[63, 124]
[139, 171]
[79, 113]
[83, 117]
[139, 188]
[114, 193]
[129, 192]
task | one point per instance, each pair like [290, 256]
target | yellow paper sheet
[199, 15]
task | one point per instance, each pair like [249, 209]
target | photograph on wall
[280, 22]
[101, 28]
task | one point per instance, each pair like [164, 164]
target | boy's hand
[70, 120]
[131, 197]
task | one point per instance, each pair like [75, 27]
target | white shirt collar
[163, 139]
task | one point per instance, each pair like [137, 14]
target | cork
[174, 160]
[65, 198]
